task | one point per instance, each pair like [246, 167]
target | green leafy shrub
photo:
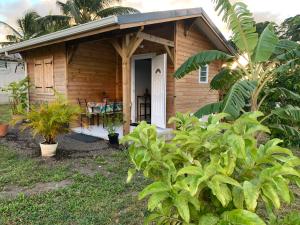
[292, 218]
[51, 119]
[212, 172]
[18, 91]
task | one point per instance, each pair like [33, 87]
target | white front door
[159, 89]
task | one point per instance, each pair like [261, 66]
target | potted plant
[3, 128]
[49, 120]
[112, 126]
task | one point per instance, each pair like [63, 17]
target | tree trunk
[254, 105]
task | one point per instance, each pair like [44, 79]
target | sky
[272, 10]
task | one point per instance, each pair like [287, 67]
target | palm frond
[290, 113]
[288, 131]
[284, 45]
[289, 66]
[52, 23]
[284, 93]
[266, 44]
[233, 103]
[11, 28]
[238, 96]
[240, 21]
[116, 10]
[209, 109]
[290, 55]
[225, 79]
[13, 38]
[200, 59]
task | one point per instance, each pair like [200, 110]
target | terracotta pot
[48, 150]
[3, 129]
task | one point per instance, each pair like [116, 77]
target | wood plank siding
[59, 71]
[92, 71]
[190, 94]
[95, 67]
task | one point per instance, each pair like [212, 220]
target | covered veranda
[100, 70]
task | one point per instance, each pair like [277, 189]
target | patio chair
[89, 115]
[112, 110]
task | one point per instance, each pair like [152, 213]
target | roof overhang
[63, 35]
[124, 22]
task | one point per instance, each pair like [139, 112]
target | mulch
[69, 145]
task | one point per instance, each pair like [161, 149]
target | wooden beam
[126, 86]
[135, 43]
[170, 53]
[117, 47]
[156, 39]
[71, 52]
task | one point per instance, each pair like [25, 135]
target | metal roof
[10, 58]
[131, 20]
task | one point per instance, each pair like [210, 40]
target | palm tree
[33, 25]
[83, 11]
[52, 23]
[28, 27]
[266, 56]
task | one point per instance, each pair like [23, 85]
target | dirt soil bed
[68, 147]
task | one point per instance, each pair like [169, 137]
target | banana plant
[265, 57]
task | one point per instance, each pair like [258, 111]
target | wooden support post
[126, 95]
[126, 85]
[129, 46]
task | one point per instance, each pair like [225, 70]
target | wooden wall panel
[92, 71]
[59, 70]
[190, 94]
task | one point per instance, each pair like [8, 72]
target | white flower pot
[48, 150]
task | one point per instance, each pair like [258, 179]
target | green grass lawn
[103, 198]
[5, 113]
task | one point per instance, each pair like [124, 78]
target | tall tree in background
[83, 11]
[32, 25]
[27, 28]
[52, 23]
[290, 28]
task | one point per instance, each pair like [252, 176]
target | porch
[100, 132]
[111, 68]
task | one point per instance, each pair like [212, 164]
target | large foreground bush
[212, 173]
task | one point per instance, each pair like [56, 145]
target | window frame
[44, 90]
[200, 74]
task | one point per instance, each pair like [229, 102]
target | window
[203, 74]
[43, 76]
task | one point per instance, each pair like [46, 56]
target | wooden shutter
[48, 75]
[38, 75]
